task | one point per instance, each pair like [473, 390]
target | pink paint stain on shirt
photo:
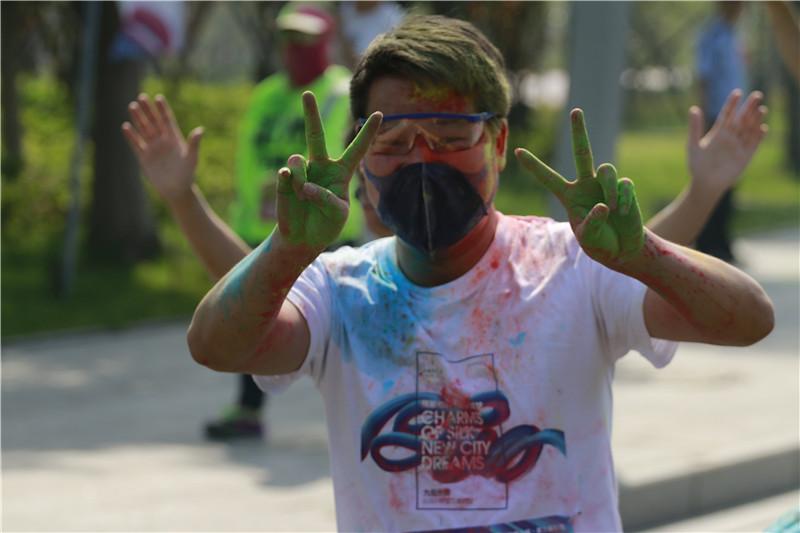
[455, 397]
[396, 500]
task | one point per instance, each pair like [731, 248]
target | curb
[707, 490]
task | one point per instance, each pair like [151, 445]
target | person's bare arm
[169, 162]
[244, 324]
[716, 161]
[786, 31]
[690, 297]
[214, 242]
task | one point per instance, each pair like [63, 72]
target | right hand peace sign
[603, 210]
[313, 196]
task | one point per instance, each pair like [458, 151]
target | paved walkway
[101, 431]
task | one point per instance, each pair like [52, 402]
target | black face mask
[430, 206]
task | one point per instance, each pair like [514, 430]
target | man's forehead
[414, 95]
[438, 94]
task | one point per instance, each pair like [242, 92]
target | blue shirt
[719, 64]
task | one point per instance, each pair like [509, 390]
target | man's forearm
[214, 242]
[236, 321]
[683, 219]
[723, 304]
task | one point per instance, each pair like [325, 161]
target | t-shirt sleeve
[618, 303]
[311, 295]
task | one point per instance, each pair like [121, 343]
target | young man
[466, 365]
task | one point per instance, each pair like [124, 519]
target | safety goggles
[442, 132]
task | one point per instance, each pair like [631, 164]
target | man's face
[393, 95]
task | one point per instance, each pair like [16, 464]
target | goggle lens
[442, 132]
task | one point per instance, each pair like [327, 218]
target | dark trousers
[250, 396]
[715, 238]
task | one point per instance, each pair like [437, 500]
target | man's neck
[446, 265]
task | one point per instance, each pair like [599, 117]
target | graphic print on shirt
[450, 430]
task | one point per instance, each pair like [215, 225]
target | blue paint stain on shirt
[384, 323]
[519, 339]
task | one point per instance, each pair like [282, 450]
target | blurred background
[130, 262]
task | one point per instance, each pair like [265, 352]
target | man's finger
[590, 230]
[325, 200]
[629, 205]
[356, 150]
[285, 181]
[134, 139]
[607, 176]
[756, 132]
[149, 111]
[750, 105]
[582, 150]
[297, 165]
[752, 113]
[315, 134]
[695, 125]
[548, 177]
[728, 112]
[166, 115]
[140, 121]
[631, 229]
[193, 142]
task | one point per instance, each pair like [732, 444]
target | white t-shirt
[482, 402]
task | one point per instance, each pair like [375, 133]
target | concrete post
[597, 35]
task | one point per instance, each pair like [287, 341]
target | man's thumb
[194, 140]
[695, 125]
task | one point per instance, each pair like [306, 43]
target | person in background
[785, 22]
[273, 123]
[720, 70]
[361, 21]
[271, 127]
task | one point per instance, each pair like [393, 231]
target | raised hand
[602, 210]
[166, 158]
[718, 158]
[313, 196]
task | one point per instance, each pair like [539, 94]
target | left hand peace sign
[602, 210]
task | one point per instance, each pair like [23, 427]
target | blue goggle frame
[469, 117]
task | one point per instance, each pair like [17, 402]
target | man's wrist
[704, 196]
[645, 264]
[300, 254]
[183, 199]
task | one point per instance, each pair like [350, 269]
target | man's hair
[436, 50]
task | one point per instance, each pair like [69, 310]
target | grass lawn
[34, 206]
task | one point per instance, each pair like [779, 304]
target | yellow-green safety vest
[273, 129]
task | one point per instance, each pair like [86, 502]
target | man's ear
[501, 144]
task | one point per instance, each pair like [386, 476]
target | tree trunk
[11, 127]
[597, 35]
[121, 226]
